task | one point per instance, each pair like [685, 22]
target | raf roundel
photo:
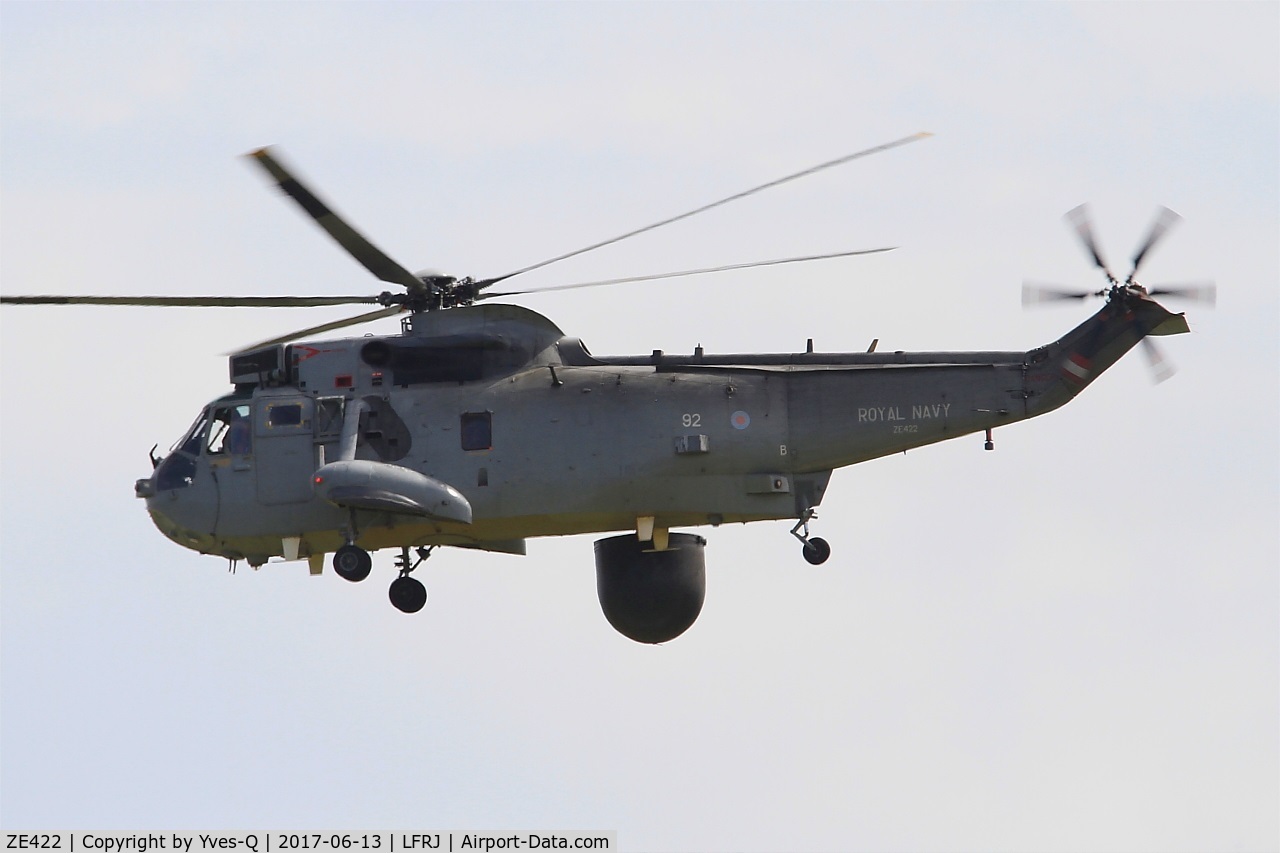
[740, 420]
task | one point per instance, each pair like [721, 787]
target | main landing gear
[406, 593]
[816, 550]
[353, 563]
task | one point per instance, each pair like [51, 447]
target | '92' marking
[691, 419]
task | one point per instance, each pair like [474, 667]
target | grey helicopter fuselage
[483, 426]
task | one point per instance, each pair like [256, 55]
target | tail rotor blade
[1080, 220]
[1165, 219]
[1161, 367]
[1205, 292]
[1039, 294]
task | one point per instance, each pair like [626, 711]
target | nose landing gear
[815, 550]
[407, 594]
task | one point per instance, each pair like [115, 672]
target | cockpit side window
[231, 431]
[178, 469]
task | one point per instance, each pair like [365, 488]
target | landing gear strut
[816, 550]
[406, 593]
[351, 562]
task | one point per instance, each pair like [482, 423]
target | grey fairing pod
[364, 484]
[648, 595]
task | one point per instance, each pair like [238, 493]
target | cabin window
[328, 419]
[477, 430]
[288, 417]
[284, 415]
[231, 432]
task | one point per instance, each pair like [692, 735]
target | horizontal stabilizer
[1174, 324]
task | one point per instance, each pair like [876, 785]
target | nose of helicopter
[181, 510]
[144, 488]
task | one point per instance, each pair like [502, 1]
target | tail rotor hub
[1124, 294]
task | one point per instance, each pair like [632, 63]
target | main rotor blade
[1206, 292]
[657, 276]
[193, 301]
[1165, 219]
[324, 327]
[370, 256]
[885, 147]
[1079, 219]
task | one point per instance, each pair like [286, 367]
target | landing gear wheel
[352, 563]
[816, 551]
[407, 594]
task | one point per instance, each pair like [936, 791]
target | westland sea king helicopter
[482, 425]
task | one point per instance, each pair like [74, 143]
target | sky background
[1071, 643]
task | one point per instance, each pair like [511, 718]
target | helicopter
[482, 425]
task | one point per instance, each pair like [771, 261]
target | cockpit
[230, 431]
[222, 429]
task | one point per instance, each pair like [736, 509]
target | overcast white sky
[1071, 643]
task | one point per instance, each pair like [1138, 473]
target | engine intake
[651, 596]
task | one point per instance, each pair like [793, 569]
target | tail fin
[1072, 362]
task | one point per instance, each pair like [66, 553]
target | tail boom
[844, 414]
